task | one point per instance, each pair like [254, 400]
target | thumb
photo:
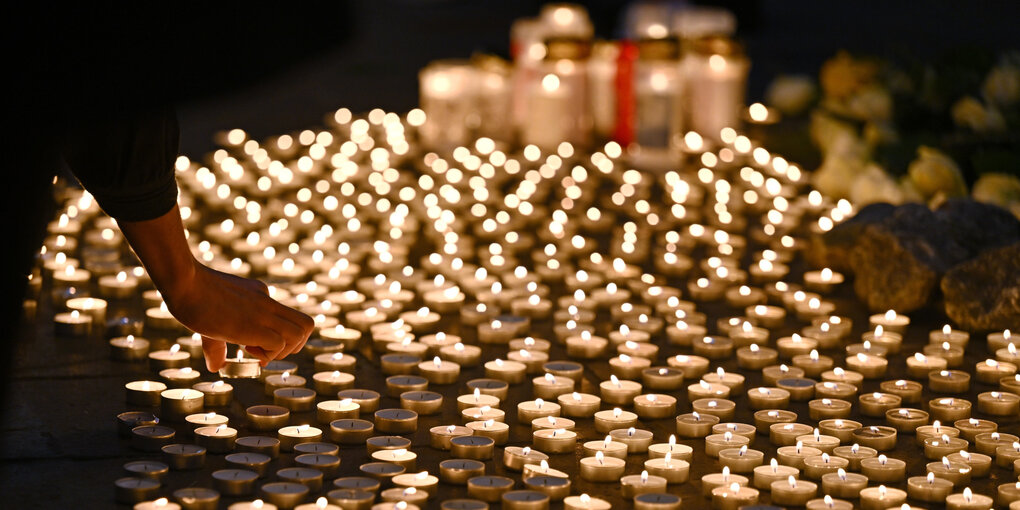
[215, 353]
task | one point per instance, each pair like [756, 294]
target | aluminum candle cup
[515, 457]
[472, 447]
[883, 469]
[258, 444]
[489, 488]
[764, 475]
[144, 393]
[176, 404]
[459, 471]
[129, 348]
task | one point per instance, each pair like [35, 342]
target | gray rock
[983, 293]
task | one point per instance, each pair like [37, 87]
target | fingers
[215, 353]
[258, 353]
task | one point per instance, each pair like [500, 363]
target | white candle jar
[447, 94]
[715, 72]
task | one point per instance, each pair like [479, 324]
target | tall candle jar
[446, 90]
[716, 81]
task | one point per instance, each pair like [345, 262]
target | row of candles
[563, 87]
[350, 268]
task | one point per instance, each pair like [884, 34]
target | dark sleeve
[126, 161]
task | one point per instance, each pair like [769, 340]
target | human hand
[224, 308]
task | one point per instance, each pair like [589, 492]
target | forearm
[163, 250]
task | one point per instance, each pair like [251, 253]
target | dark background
[373, 57]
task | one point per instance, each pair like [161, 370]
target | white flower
[997, 188]
[833, 136]
[1002, 86]
[791, 93]
[871, 103]
[834, 177]
[874, 185]
[969, 112]
[934, 172]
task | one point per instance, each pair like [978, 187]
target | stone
[983, 294]
[832, 249]
[898, 254]
[898, 261]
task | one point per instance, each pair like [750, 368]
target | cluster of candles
[665, 78]
[439, 268]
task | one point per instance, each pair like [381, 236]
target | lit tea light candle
[609, 420]
[890, 321]
[883, 469]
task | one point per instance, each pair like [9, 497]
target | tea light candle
[515, 457]
[854, 454]
[890, 321]
[550, 387]
[329, 383]
[870, 366]
[129, 348]
[888, 340]
[574, 404]
[839, 428]
[722, 408]
[955, 337]
[764, 475]
[988, 442]
[959, 473]
[396, 421]
[633, 485]
[992, 371]
[929, 488]
[497, 431]
[541, 469]
[876, 404]
[766, 316]
[721, 479]
[295, 399]
[905, 419]
[786, 434]
[677, 451]
[949, 409]
[173, 357]
[695, 424]
[997, 403]
[554, 440]
[293, 435]
[773, 373]
[713, 347]
[980, 464]
[489, 488]
[882, 498]
[284, 494]
[741, 460]
[909, 391]
[616, 391]
[971, 427]
[285, 380]
[600, 468]
[511, 372]
[693, 367]
[258, 444]
[764, 419]
[878, 437]
[967, 500]
[883, 469]
[733, 496]
[176, 404]
[654, 406]
[792, 492]
[796, 345]
[754, 357]
[794, 455]
[842, 484]
[827, 408]
[768, 398]
[637, 440]
[816, 467]
[716, 443]
[216, 439]
[439, 372]
[585, 502]
[952, 355]
[704, 389]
